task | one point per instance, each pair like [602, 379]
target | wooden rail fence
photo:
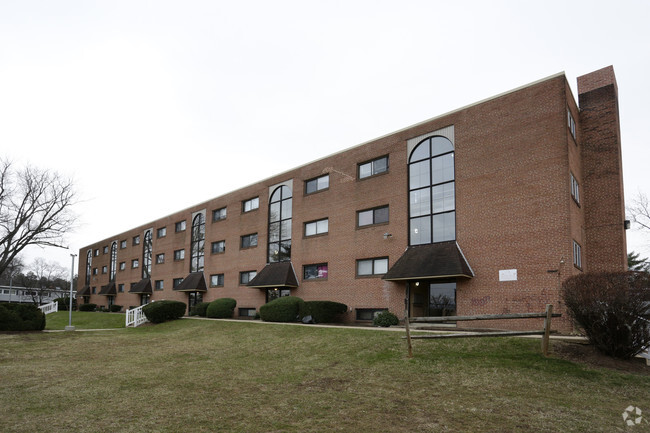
[545, 333]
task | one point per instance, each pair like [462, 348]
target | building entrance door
[430, 299]
[194, 298]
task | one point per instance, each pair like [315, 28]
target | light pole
[70, 327]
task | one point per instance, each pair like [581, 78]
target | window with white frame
[577, 255]
[571, 123]
[575, 189]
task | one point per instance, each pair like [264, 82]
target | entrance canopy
[280, 274]
[143, 287]
[84, 291]
[108, 290]
[439, 260]
[194, 282]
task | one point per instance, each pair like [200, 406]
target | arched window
[432, 196]
[146, 255]
[89, 265]
[113, 266]
[198, 243]
[280, 225]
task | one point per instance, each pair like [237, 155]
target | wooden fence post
[547, 329]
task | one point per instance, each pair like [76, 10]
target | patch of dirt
[586, 354]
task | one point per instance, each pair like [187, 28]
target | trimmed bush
[21, 317]
[608, 306]
[385, 319]
[87, 307]
[64, 303]
[199, 309]
[323, 311]
[115, 308]
[222, 308]
[284, 309]
[162, 311]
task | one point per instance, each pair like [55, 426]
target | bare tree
[639, 211]
[34, 209]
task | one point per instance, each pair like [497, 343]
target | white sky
[154, 106]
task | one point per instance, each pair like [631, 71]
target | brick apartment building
[485, 209]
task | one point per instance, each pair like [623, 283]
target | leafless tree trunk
[34, 209]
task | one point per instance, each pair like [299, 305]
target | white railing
[52, 307]
[135, 317]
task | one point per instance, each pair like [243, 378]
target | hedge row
[21, 317]
[292, 308]
[222, 308]
[162, 311]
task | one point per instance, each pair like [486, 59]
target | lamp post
[70, 327]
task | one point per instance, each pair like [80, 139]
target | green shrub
[609, 307]
[284, 309]
[21, 317]
[161, 311]
[385, 319]
[222, 308]
[323, 311]
[199, 309]
[87, 307]
[64, 303]
[116, 308]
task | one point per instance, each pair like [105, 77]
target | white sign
[508, 275]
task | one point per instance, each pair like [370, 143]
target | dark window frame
[216, 243]
[220, 276]
[215, 214]
[248, 276]
[374, 273]
[250, 200]
[373, 171]
[374, 216]
[315, 180]
[250, 237]
[315, 266]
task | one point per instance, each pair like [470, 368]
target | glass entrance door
[194, 298]
[430, 299]
[276, 293]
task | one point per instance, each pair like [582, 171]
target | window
[575, 189]
[248, 241]
[247, 312]
[159, 285]
[216, 280]
[122, 266]
[89, 264]
[94, 271]
[374, 167]
[123, 244]
[160, 258]
[432, 196]
[176, 282]
[315, 272]
[577, 255]
[94, 290]
[135, 263]
[96, 252]
[218, 247]
[246, 276]
[104, 269]
[180, 226]
[250, 204]
[161, 232]
[319, 227]
[179, 255]
[571, 123]
[120, 288]
[106, 249]
[318, 184]
[369, 217]
[146, 254]
[197, 246]
[368, 313]
[113, 267]
[136, 240]
[280, 225]
[368, 267]
[219, 214]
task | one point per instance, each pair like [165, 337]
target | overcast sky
[154, 106]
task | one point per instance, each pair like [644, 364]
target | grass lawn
[84, 320]
[216, 376]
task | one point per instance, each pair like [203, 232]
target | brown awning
[439, 260]
[108, 290]
[84, 291]
[279, 274]
[143, 287]
[194, 282]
